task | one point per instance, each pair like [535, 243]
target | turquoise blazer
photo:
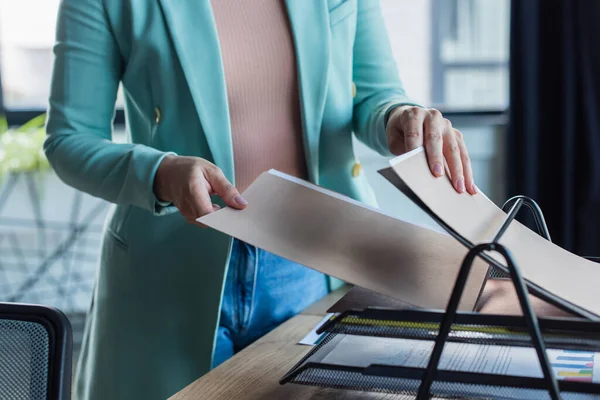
[155, 308]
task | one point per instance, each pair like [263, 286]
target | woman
[216, 92]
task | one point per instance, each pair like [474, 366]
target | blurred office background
[452, 54]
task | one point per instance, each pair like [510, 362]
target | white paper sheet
[313, 338]
[348, 240]
[517, 361]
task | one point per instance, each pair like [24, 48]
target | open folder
[348, 240]
[551, 272]
[343, 238]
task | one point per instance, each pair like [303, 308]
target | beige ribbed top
[262, 86]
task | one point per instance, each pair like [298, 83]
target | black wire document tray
[485, 356]
[447, 354]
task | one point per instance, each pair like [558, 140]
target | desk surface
[254, 373]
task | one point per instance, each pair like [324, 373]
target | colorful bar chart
[572, 365]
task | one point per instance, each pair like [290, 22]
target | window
[26, 39]
[452, 54]
[27, 32]
[470, 51]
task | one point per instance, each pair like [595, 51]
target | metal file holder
[540, 224]
[439, 327]
[538, 217]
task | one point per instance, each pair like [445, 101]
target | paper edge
[328, 192]
[313, 331]
[338, 196]
[405, 156]
[396, 160]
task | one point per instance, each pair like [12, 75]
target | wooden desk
[254, 373]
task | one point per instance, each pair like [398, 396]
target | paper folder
[551, 272]
[345, 239]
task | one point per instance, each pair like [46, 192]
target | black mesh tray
[472, 328]
[452, 331]
[558, 333]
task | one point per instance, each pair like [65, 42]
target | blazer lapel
[194, 34]
[310, 27]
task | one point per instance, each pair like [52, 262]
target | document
[346, 239]
[361, 351]
[313, 338]
[547, 267]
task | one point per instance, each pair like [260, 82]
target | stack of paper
[468, 357]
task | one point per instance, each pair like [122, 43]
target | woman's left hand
[410, 127]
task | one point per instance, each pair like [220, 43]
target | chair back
[35, 353]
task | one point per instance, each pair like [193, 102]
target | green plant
[21, 149]
[3, 124]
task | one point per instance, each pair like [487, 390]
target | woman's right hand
[188, 183]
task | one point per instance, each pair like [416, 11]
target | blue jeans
[262, 290]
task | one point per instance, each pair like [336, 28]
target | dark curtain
[553, 145]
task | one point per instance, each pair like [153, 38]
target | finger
[199, 202]
[432, 137]
[466, 163]
[452, 154]
[224, 189]
[215, 207]
[412, 128]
